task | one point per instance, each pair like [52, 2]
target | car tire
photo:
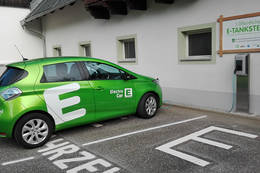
[148, 106]
[33, 130]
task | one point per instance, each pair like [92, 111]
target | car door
[68, 97]
[113, 95]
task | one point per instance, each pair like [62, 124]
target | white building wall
[200, 85]
[12, 33]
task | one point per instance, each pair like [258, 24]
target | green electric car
[41, 96]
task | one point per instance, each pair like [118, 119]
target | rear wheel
[148, 106]
[33, 130]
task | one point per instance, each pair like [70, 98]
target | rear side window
[61, 72]
[12, 75]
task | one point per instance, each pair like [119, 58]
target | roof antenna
[24, 59]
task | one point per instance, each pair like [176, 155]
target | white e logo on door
[128, 92]
[55, 105]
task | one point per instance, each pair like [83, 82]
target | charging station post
[242, 82]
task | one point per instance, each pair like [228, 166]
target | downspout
[2, 69]
[36, 33]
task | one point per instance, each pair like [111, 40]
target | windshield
[12, 75]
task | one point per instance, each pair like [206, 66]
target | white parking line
[144, 130]
[214, 143]
[97, 125]
[53, 136]
[17, 161]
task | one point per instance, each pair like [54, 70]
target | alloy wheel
[150, 106]
[35, 131]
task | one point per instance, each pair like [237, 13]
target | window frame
[82, 51]
[82, 74]
[183, 38]
[121, 50]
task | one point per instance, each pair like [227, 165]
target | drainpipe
[2, 69]
[36, 33]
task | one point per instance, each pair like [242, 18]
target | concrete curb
[241, 115]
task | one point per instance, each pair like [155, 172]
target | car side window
[100, 71]
[61, 72]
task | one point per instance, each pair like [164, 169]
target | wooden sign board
[239, 34]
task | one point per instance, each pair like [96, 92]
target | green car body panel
[85, 101]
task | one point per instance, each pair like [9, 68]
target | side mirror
[126, 76]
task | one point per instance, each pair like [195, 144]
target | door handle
[99, 88]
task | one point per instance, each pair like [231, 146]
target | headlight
[11, 93]
[156, 81]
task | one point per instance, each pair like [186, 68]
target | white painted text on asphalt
[57, 148]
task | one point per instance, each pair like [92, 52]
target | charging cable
[234, 90]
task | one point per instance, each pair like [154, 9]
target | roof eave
[31, 18]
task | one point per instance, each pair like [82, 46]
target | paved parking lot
[176, 140]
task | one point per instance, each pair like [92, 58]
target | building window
[57, 51]
[200, 44]
[126, 47]
[129, 49]
[85, 49]
[197, 44]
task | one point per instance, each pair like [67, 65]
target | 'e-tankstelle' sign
[241, 33]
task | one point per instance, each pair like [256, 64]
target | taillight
[2, 134]
[11, 93]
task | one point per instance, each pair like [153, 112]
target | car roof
[55, 60]
[50, 60]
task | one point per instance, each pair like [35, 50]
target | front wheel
[148, 106]
[33, 130]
